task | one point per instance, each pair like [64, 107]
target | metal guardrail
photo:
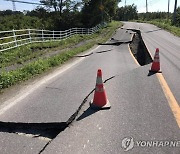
[16, 38]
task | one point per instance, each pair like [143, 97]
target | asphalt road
[139, 106]
[169, 46]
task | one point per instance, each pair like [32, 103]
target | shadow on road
[87, 113]
[151, 73]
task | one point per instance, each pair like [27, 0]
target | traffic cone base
[95, 107]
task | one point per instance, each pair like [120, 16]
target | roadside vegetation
[24, 53]
[25, 62]
[60, 15]
[164, 24]
[160, 19]
[43, 64]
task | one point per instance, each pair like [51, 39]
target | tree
[38, 12]
[178, 17]
[59, 5]
[9, 12]
[128, 12]
[96, 11]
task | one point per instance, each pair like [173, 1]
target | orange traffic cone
[156, 63]
[100, 100]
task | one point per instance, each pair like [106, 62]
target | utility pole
[125, 2]
[14, 5]
[146, 6]
[174, 15]
[168, 8]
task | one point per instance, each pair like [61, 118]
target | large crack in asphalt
[113, 43]
[76, 113]
[139, 49]
[140, 52]
[46, 131]
[51, 130]
[98, 52]
[116, 43]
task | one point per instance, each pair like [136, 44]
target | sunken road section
[139, 49]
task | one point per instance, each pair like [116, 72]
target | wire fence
[16, 38]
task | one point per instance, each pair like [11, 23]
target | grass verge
[24, 53]
[164, 24]
[30, 70]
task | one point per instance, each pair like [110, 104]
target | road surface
[139, 106]
[169, 46]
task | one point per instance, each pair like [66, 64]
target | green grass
[31, 51]
[164, 24]
[30, 70]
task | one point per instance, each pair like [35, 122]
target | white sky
[153, 5]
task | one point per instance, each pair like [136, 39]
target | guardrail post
[66, 34]
[42, 35]
[15, 40]
[29, 31]
[60, 35]
[53, 34]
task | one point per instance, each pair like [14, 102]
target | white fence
[16, 38]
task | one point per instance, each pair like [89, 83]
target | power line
[24, 2]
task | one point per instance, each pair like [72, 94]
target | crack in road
[139, 49]
[140, 52]
[53, 88]
[84, 55]
[115, 43]
[43, 131]
[87, 55]
[46, 130]
[76, 113]
[49, 131]
[73, 117]
[104, 51]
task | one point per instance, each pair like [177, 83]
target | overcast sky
[153, 5]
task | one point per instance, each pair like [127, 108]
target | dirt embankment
[139, 50]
